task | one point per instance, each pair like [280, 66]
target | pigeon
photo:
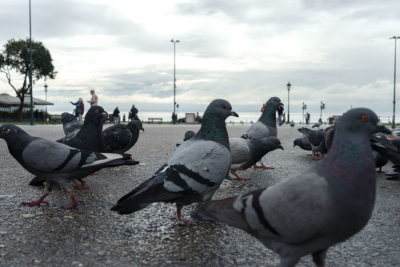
[388, 149]
[70, 123]
[317, 124]
[306, 145]
[194, 171]
[330, 131]
[120, 138]
[59, 164]
[188, 135]
[313, 210]
[316, 139]
[246, 152]
[266, 124]
[380, 161]
[87, 138]
[299, 142]
[292, 124]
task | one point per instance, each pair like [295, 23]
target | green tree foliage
[15, 57]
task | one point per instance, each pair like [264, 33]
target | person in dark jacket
[41, 115]
[79, 109]
[116, 116]
[133, 113]
[36, 114]
[280, 111]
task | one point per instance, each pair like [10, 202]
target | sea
[244, 117]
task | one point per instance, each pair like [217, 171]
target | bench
[156, 119]
[55, 118]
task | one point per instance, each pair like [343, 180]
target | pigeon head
[273, 143]
[220, 108]
[66, 117]
[188, 135]
[297, 142]
[362, 121]
[10, 132]
[96, 115]
[274, 102]
[136, 125]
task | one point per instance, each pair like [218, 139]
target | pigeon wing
[257, 130]
[47, 156]
[239, 149]
[116, 138]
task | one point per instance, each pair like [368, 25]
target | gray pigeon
[194, 171]
[266, 124]
[89, 138]
[380, 161]
[247, 152]
[57, 163]
[317, 124]
[316, 140]
[316, 209]
[120, 138]
[70, 123]
[292, 124]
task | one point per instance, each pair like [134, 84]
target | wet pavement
[92, 235]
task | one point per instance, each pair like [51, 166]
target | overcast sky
[335, 51]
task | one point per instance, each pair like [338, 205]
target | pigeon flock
[304, 214]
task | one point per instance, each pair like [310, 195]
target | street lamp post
[172, 41]
[288, 104]
[322, 107]
[45, 90]
[30, 60]
[394, 89]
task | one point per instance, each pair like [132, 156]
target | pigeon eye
[364, 118]
[5, 130]
[97, 111]
[275, 142]
[275, 100]
[223, 107]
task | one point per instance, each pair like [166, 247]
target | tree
[15, 57]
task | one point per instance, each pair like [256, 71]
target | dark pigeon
[70, 123]
[299, 142]
[188, 135]
[388, 149]
[57, 163]
[292, 124]
[247, 152]
[120, 138]
[266, 124]
[380, 161]
[317, 124]
[316, 140]
[194, 171]
[316, 209]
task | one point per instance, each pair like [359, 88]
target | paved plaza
[92, 235]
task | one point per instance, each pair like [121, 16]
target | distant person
[263, 107]
[41, 115]
[36, 114]
[198, 118]
[280, 111]
[123, 117]
[174, 117]
[309, 118]
[79, 109]
[116, 116]
[94, 100]
[133, 113]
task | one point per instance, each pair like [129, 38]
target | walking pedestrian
[123, 117]
[263, 107]
[94, 100]
[36, 114]
[280, 111]
[116, 116]
[41, 115]
[133, 113]
[79, 109]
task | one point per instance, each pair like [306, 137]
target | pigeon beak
[382, 128]
[141, 128]
[281, 104]
[233, 113]
[281, 147]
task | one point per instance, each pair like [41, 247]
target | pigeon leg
[262, 167]
[38, 202]
[380, 170]
[238, 177]
[74, 203]
[95, 173]
[82, 186]
[46, 192]
[178, 217]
